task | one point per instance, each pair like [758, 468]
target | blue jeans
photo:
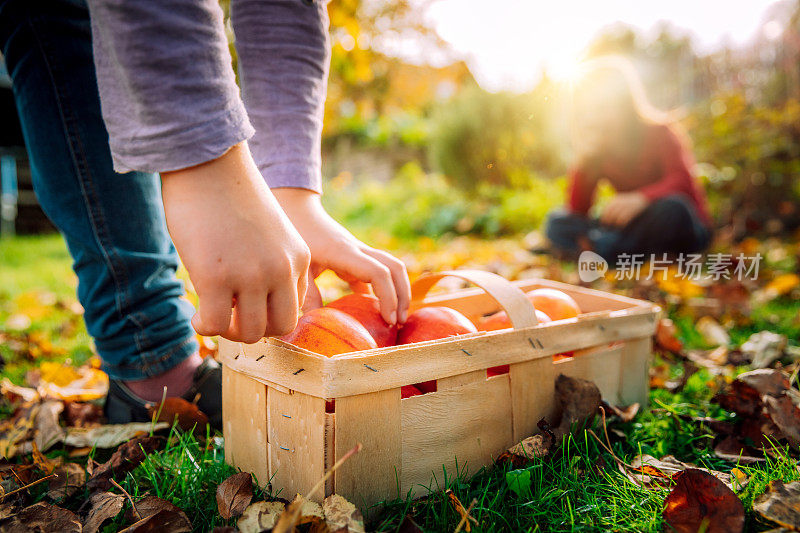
[113, 223]
[668, 225]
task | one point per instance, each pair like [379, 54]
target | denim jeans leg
[564, 229]
[113, 223]
[668, 225]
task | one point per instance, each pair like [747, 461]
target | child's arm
[171, 105]
[284, 52]
[581, 191]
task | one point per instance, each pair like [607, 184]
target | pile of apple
[354, 323]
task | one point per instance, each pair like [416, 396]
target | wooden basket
[288, 413]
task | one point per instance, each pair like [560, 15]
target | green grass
[38, 281]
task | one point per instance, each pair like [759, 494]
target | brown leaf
[224, 529]
[341, 515]
[786, 415]
[260, 516]
[522, 452]
[234, 495]
[732, 449]
[109, 435]
[102, 506]
[43, 518]
[17, 429]
[187, 414]
[48, 431]
[77, 414]
[126, 458]
[289, 518]
[578, 400]
[667, 337]
[766, 381]
[625, 414]
[781, 504]
[148, 506]
[69, 478]
[163, 521]
[701, 502]
[409, 526]
[650, 471]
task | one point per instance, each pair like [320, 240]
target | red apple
[366, 309]
[329, 332]
[429, 323]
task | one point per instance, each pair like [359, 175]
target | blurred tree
[496, 138]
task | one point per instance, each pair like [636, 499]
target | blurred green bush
[479, 138]
[417, 204]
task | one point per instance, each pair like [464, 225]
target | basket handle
[519, 308]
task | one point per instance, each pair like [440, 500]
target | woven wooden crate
[289, 413]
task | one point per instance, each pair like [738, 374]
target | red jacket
[662, 168]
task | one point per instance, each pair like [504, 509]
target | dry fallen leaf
[42, 517]
[260, 516]
[409, 526]
[15, 431]
[149, 506]
[781, 504]
[68, 479]
[341, 515]
[624, 413]
[126, 458]
[786, 415]
[667, 337]
[187, 414]
[47, 430]
[701, 502]
[78, 414]
[234, 495]
[764, 348]
[164, 521]
[578, 400]
[712, 332]
[732, 449]
[102, 506]
[64, 382]
[109, 435]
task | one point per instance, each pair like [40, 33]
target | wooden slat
[532, 395]
[634, 378]
[403, 365]
[373, 420]
[244, 424]
[600, 365]
[467, 425]
[296, 442]
[385, 368]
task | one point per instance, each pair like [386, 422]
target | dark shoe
[123, 406]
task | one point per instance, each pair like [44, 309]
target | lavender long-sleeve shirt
[168, 93]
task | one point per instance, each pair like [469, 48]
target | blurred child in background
[659, 206]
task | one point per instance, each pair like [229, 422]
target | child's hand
[246, 261]
[333, 247]
[623, 208]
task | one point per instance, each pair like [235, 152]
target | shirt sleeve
[168, 93]
[581, 191]
[284, 54]
[675, 163]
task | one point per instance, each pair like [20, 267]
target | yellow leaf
[782, 284]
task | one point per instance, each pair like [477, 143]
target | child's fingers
[282, 309]
[213, 316]
[402, 286]
[378, 275]
[313, 298]
[249, 317]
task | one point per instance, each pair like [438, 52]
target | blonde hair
[614, 79]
